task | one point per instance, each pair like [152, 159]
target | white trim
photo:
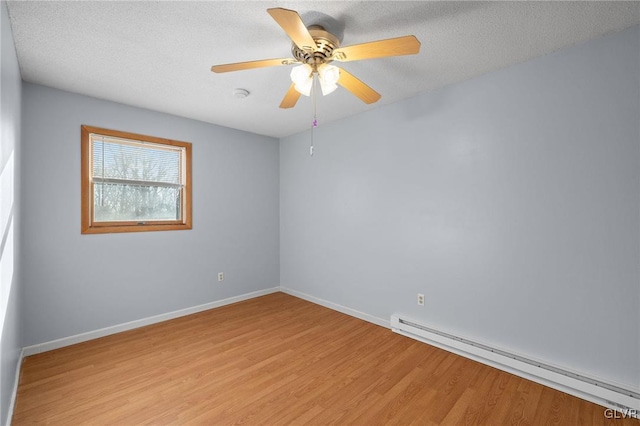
[90, 335]
[548, 377]
[345, 310]
[14, 392]
[581, 389]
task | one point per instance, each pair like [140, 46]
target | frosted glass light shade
[328, 76]
[302, 77]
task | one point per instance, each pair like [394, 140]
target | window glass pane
[116, 202]
[133, 182]
[143, 162]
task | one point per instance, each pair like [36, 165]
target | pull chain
[314, 123]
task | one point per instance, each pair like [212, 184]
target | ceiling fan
[314, 49]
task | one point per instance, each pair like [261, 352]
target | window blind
[124, 161]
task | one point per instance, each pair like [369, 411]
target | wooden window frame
[89, 226]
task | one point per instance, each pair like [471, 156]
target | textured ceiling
[158, 55]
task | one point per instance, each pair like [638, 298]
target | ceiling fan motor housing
[326, 43]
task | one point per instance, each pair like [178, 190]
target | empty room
[320, 212]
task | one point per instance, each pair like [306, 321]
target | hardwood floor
[277, 360]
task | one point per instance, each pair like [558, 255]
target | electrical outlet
[420, 299]
[220, 276]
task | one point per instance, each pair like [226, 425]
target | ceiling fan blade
[290, 99]
[358, 88]
[407, 45]
[292, 24]
[238, 66]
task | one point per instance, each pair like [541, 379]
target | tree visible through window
[133, 182]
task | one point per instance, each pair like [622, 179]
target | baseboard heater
[617, 397]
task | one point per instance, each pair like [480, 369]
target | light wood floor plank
[278, 360]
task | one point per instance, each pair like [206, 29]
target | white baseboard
[345, 310]
[14, 392]
[83, 337]
[603, 392]
[627, 405]
[67, 341]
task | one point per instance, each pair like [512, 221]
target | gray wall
[10, 282]
[77, 283]
[510, 200]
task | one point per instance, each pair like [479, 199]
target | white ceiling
[158, 54]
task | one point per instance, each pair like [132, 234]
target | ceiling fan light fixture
[302, 77]
[328, 76]
[327, 88]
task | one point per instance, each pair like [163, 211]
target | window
[133, 183]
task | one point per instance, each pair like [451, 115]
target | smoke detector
[240, 93]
